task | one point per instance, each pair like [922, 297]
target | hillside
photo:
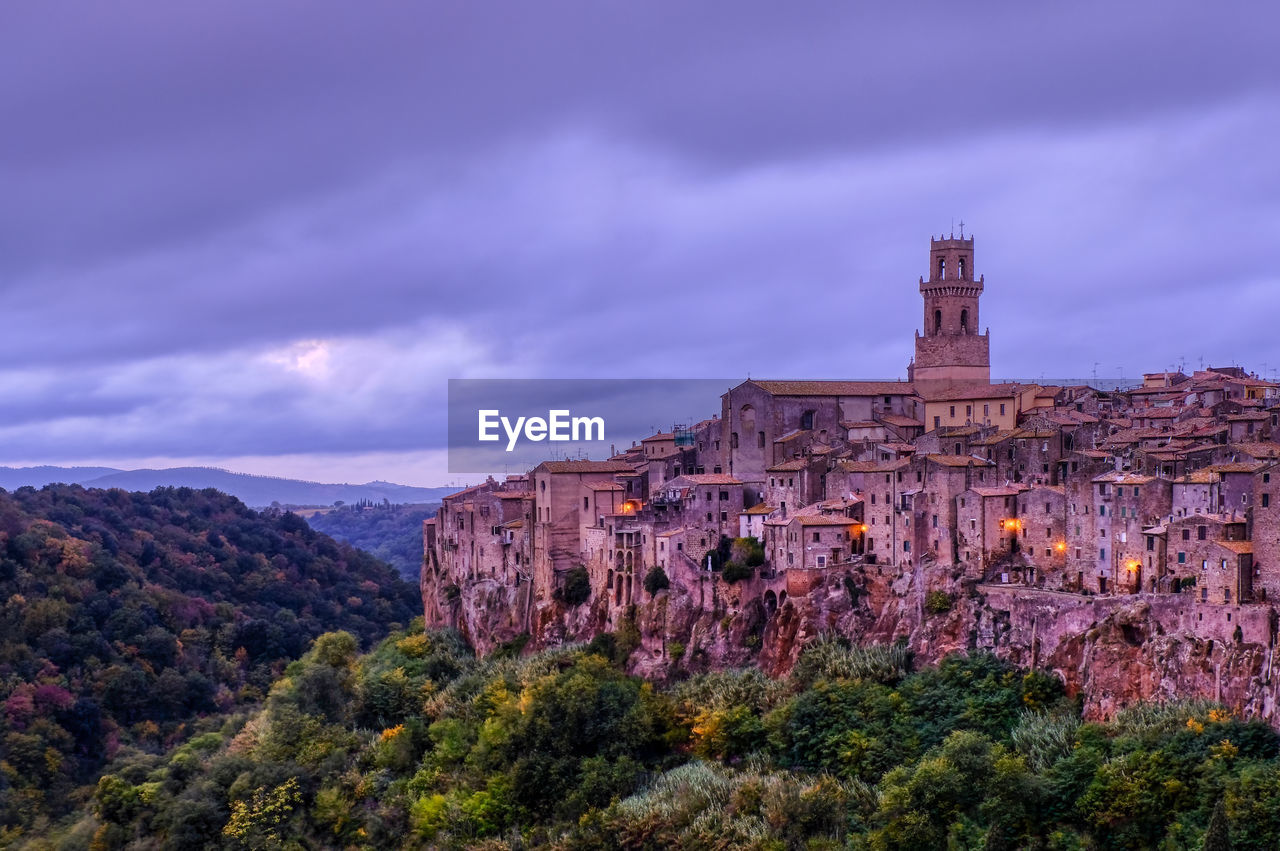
[392, 533]
[255, 491]
[126, 617]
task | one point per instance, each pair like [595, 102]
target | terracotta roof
[1236, 467]
[959, 461]
[515, 494]
[761, 508]
[982, 391]
[836, 388]
[792, 466]
[710, 479]
[899, 447]
[861, 424]
[1004, 490]
[662, 435]
[1197, 477]
[873, 466]
[1239, 547]
[900, 421]
[1259, 450]
[824, 520]
[998, 437]
[604, 486]
[584, 467]
[1124, 478]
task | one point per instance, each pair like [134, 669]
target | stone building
[951, 351]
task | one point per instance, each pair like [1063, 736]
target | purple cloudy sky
[262, 235]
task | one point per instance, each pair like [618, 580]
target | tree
[575, 588]
[1216, 836]
[656, 580]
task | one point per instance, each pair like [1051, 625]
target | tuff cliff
[1114, 651]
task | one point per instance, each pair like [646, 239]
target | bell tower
[950, 352]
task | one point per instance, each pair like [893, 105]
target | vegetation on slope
[125, 618]
[392, 533]
[419, 744]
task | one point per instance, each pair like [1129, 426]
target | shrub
[575, 588]
[736, 572]
[656, 580]
[937, 602]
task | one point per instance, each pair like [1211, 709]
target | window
[986, 409]
[724, 496]
[937, 421]
[733, 440]
[1182, 558]
[1266, 500]
[724, 515]
[586, 505]
[1102, 511]
[964, 314]
[815, 537]
[906, 546]
[1102, 555]
[942, 269]
[760, 440]
[806, 420]
[1002, 407]
[1186, 534]
[822, 561]
[953, 410]
[1201, 533]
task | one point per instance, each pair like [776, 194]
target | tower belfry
[951, 351]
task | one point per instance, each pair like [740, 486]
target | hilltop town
[1128, 539]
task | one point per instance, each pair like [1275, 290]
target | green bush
[575, 587]
[736, 572]
[656, 580]
[937, 602]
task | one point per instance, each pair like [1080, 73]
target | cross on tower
[962, 228]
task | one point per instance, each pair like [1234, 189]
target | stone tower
[950, 352]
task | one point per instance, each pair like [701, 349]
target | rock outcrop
[1114, 651]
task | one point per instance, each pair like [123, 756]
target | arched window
[942, 268]
[964, 320]
[806, 420]
[937, 321]
[960, 268]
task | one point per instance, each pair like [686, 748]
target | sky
[264, 235]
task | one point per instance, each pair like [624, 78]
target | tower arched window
[942, 268]
[960, 268]
[937, 321]
[964, 318]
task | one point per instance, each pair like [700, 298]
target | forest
[127, 620]
[386, 531]
[179, 671]
[419, 744]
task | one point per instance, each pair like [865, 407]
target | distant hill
[392, 533]
[255, 491]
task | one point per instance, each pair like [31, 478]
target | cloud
[226, 234]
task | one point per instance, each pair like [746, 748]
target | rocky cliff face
[1115, 651]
